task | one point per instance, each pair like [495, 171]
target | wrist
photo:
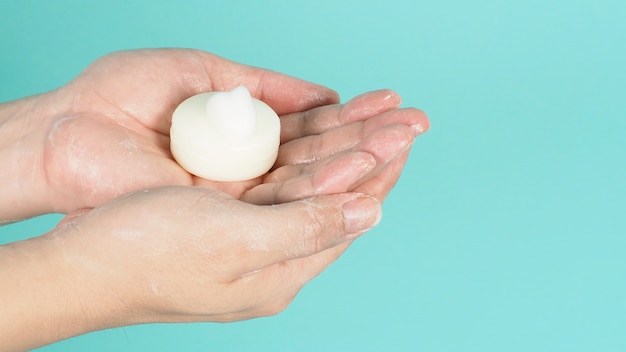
[54, 291]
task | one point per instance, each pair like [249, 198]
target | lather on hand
[140, 244]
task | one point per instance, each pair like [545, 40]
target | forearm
[23, 125]
[45, 296]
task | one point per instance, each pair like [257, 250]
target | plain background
[507, 230]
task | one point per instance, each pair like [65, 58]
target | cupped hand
[113, 135]
[132, 251]
[194, 254]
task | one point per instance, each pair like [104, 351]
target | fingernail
[361, 214]
[417, 129]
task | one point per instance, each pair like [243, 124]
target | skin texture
[145, 241]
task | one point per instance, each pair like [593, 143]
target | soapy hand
[105, 138]
[111, 135]
[173, 254]
[202, 263]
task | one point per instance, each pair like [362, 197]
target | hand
[114, 136]
[99, 145]
[172, 254]
[106, 133]
[110, 135]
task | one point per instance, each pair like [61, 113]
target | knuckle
[276, 307]
[304, 123]
[311, 238]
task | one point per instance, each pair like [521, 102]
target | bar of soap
[225, 136]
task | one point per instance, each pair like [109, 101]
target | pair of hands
[145, 241]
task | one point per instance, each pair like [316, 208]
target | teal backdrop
[504, 232]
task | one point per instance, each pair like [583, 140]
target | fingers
[325, 118]
[337, 173]
[285, 94]
[273, 288]
[393, 145]
[333, 175]
[302, 228]
[380, 184]
[72, 216]
[315, 147]
[148, 84]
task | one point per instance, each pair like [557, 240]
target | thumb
[306, 227]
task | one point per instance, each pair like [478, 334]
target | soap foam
[233, 114]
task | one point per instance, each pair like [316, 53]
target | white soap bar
[225, 136]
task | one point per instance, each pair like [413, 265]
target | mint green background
[507, 230]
